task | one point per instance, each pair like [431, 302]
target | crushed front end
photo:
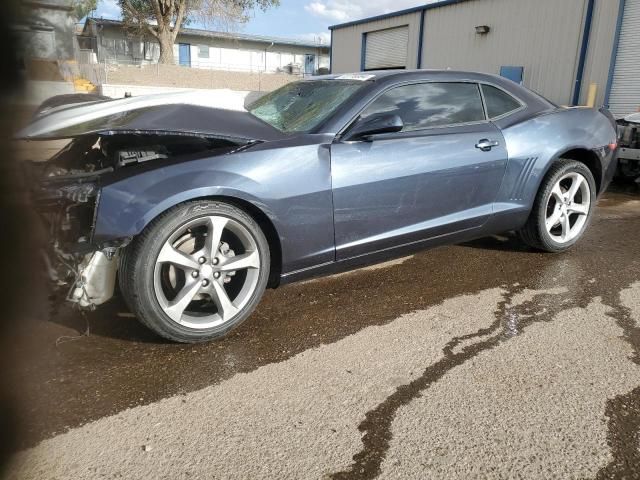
[110, 141]
[65, 192]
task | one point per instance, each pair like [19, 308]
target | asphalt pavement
[481, 360]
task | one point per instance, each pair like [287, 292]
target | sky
[304, 19]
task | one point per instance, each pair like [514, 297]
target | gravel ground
[517, 418]
[503, 412]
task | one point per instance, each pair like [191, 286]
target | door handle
[486, 145]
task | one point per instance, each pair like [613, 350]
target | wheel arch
[585, 156]
[268, 228]
[258, 214]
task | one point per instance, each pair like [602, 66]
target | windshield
[302, 106]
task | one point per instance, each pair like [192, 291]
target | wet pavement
[473, 361]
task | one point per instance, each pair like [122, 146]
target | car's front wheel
[563, 207]
[197, 271]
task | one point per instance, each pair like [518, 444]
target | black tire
[137, 265]
[535, 233]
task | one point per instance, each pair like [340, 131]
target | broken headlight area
[80, 271]
[66, 194]
[95, 278]
[82, 193]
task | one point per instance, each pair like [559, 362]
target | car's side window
[498, 102]
[425, 105]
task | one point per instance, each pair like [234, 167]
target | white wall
[324, 61]
[224, 54]
[247, 60]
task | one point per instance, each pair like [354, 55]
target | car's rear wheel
[563, 207]
[197, 271]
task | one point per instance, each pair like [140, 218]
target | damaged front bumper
[80, 271]
[66, 191]
[96, 279]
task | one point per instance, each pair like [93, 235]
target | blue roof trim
[420, 40]
[399, 13]
[614, 54]
[583, 53]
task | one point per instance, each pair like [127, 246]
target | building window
[203, 51]
[148, 50]
[122, 46]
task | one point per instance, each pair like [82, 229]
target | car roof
[389, 77]
[409, 74]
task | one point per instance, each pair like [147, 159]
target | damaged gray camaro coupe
[195, 210]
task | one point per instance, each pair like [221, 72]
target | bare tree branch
[156, 6]
[164, 19]
[182, 10]
[151, 30]
[130, 11]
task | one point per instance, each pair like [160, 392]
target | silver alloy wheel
[206, 272]
[568, 207]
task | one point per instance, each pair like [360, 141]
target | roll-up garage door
[386, 48]
[625, 89]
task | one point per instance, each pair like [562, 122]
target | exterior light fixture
[483, 29]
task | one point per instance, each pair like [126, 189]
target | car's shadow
[506, 242]
[112, 320]
[625, 186]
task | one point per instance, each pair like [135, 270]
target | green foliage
[81, 8]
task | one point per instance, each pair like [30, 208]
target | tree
[82, 8]
[163, 19]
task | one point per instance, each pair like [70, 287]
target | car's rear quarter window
[498, 102]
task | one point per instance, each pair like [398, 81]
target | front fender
[291, 186]
[126, 207]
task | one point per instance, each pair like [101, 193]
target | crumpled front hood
[183, 113]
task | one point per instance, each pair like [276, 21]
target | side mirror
[375, 125]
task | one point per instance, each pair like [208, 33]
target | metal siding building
[538, 42]
[564, 46]
[625, 71]
[600, 48]
[348, 57]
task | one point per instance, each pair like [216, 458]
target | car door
[439, 175]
